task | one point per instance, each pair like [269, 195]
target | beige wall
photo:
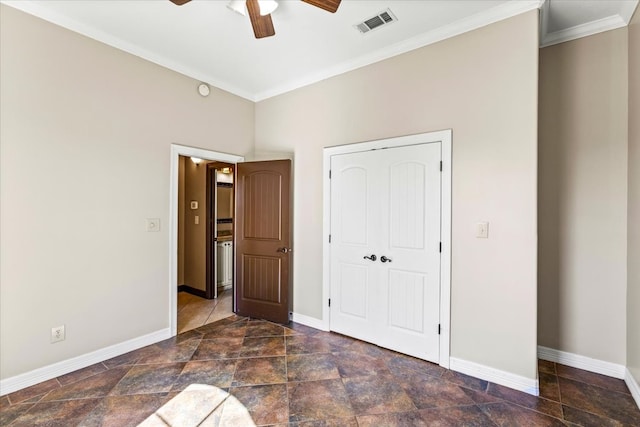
[85, 157]
[582, 206]
[483, 85]
[633, 255]
[195, 236]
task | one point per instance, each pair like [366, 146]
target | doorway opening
[219, 228]
[174, 213]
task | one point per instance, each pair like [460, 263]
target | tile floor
[194, 311]
[252, 372]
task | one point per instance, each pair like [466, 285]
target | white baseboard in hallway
[582, 362]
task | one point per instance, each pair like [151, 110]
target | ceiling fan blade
[262, 25]
[179, 2]
[328, 5]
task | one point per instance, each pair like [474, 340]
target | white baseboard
[18, 382]
[582, 362]
[496, 376]
[633, 385]
[311, 322]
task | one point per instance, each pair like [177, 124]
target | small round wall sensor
[203, 89]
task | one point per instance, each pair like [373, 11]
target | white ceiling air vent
[381, 19]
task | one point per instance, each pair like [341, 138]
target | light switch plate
[153, 224]
[482, 230]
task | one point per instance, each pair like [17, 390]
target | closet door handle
[373, 257]
[284, 250]
[385, 259]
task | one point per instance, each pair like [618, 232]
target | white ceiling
[207, 41]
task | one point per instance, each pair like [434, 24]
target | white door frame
[444, 137]
[176, 152]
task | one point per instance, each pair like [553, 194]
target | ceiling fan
[261, 19]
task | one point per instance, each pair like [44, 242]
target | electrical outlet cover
[57, 334]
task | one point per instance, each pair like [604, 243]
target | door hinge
[329, 173]
[439, 328]
[440, 165]
[329, 302]
[329, 238]
[440, 247]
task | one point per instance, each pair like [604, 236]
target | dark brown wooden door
[263, 240]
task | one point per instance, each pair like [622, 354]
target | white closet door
[354, 280]
[387, 203]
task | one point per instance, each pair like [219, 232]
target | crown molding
[584, 30]
[608, 23]
[479, 20]
[36, 9]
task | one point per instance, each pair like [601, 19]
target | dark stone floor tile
[124, 411]
[431, 392]
[468, 416]
[401, 362]
[267, 404]
[290, 332]
[302, 329]
[181, 338]
[10, 413]
[53, 414]
[219, 325]
[583, 418]
[98, 385]
[132, 357]
[33, 391]
[600, 401]
[311, 367]
[371, 350]
[400, 419]
[546, 367]
[337, 422]
[508, 414]
[354, 364]
[232, 330]
[536, 403]
[583, 376]
[465, 380]
[129, 359]
[480, 396]
[170, 354]
[218, 348]
[303, 344]
[148, 379]
[549, 388]
[336, 341]
[263, 346]
[318, 400]
[260, 370]
[187, 336]
[217, 373]
[264, 329]
[81, 374]
[377, 395]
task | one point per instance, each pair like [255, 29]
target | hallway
[194, 311]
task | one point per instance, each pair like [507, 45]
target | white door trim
[444, 137]
[176, 151]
